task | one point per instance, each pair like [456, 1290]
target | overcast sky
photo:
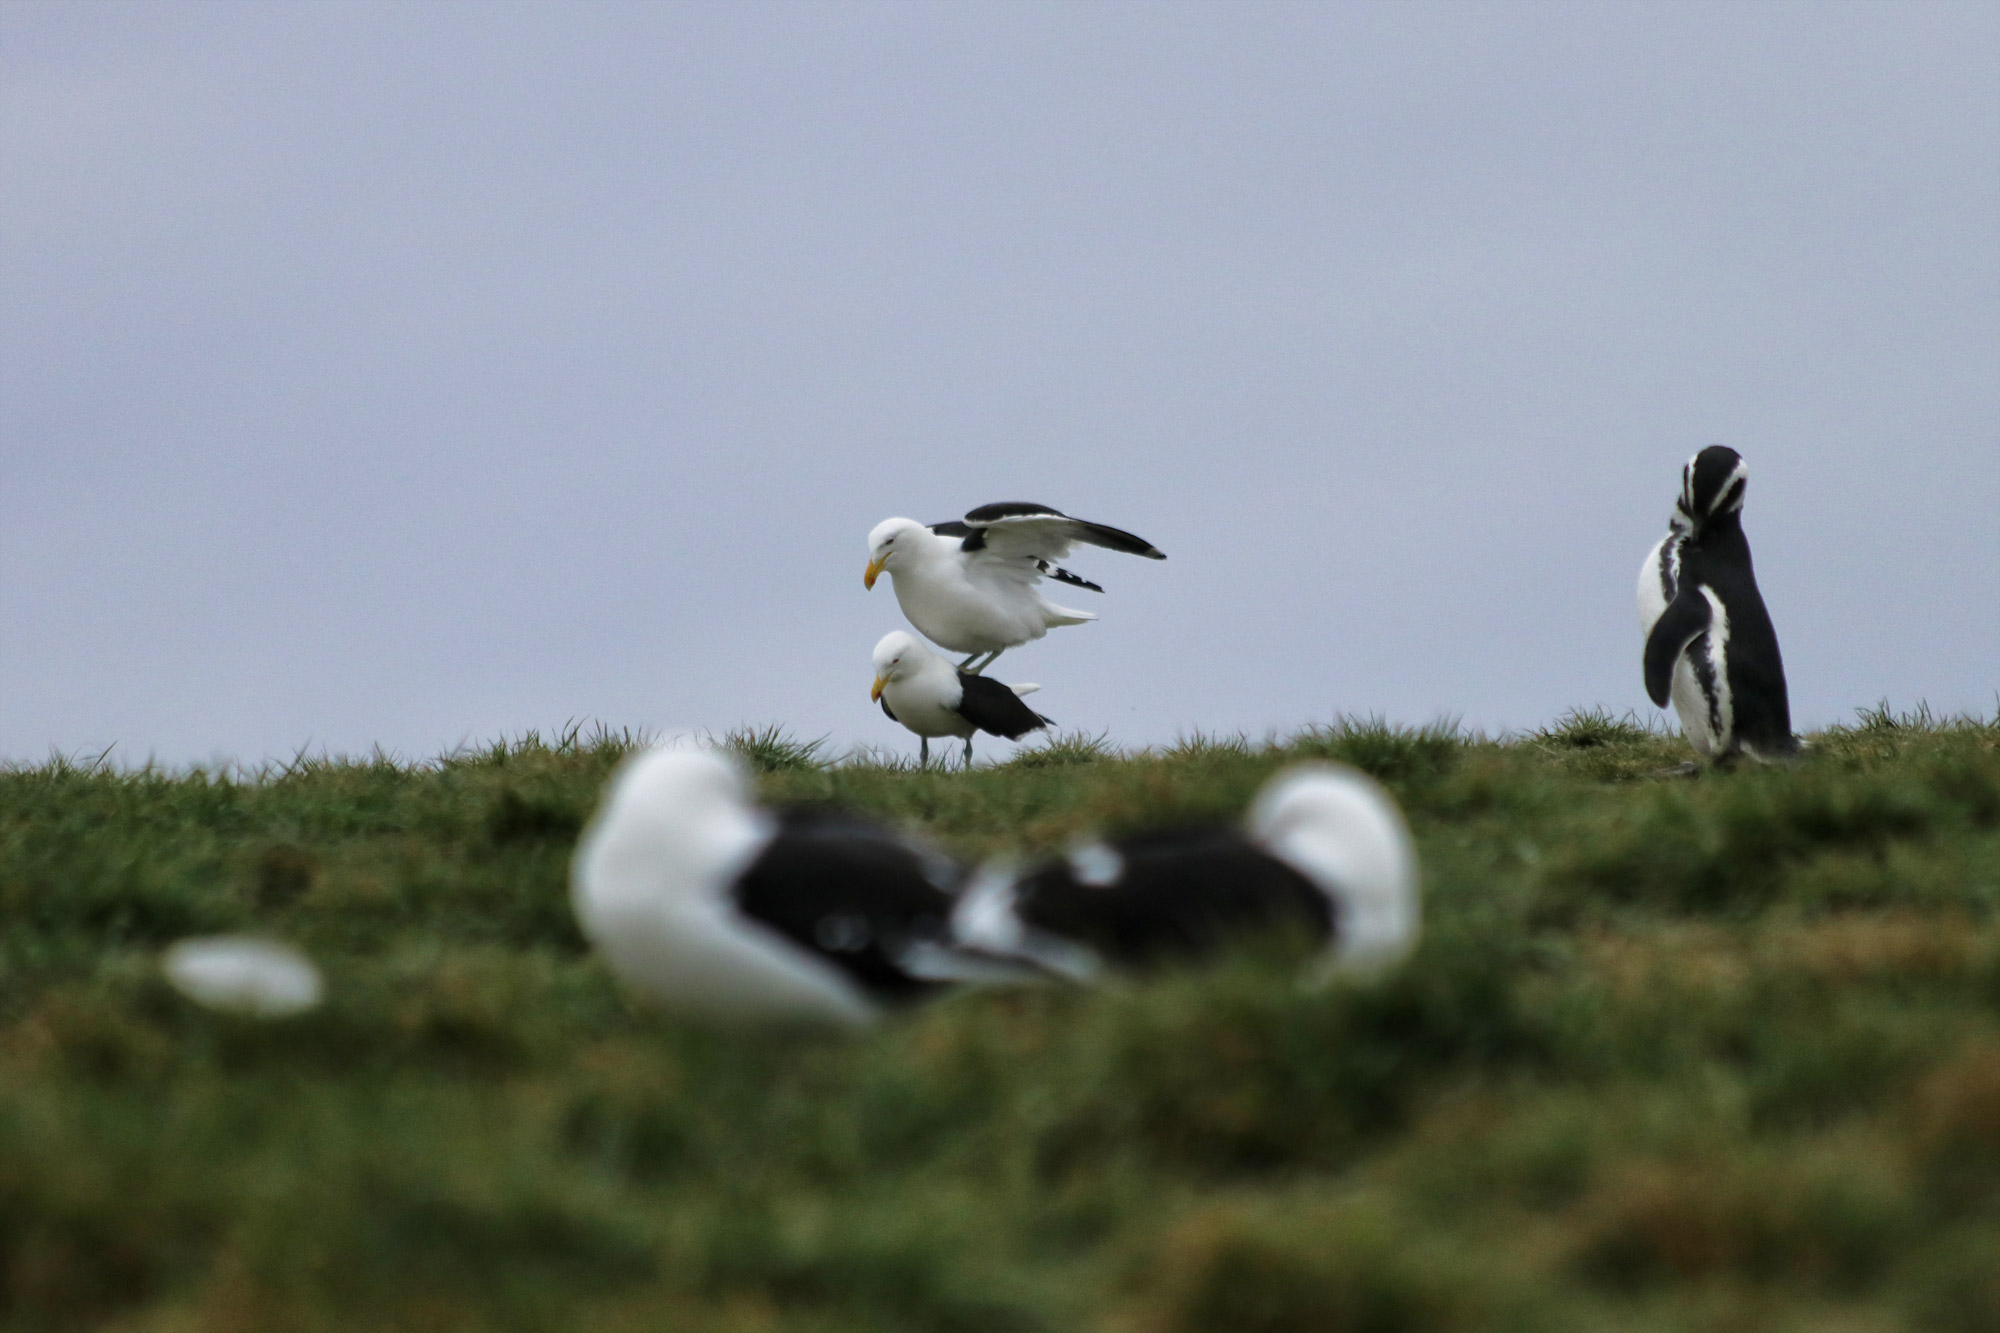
[415, 374]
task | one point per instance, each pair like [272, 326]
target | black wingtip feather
[1061, 575]
[1117, 539]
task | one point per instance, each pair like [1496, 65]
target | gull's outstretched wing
[954, 528]
[1016, 529]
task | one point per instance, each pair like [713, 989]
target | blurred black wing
[1176, 895]
[853, 892]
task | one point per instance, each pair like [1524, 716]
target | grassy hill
[1720, 1054]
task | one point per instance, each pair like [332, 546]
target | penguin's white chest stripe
[1670, 570]
[1715, 643]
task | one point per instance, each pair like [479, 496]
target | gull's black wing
[974, 539]
[996, 709]
[1018, 527]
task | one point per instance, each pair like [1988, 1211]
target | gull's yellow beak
[874, 572]
[875, 694]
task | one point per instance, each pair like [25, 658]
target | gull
[1324, 850]
[931, 697]
[969, 586]
[705, 902]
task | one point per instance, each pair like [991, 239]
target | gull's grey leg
[984, 662]
[966, 665]
[968, 752]
[923, 752]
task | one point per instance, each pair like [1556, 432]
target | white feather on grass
[240, 974]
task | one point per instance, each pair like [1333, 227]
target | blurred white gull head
[1340, 829]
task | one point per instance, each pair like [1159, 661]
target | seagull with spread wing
[970, 586]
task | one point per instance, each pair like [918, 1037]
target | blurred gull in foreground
[1324, 851]
[243, 975]
[704, 902]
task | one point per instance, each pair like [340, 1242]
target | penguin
[1710, 646]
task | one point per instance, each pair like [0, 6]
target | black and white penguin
[1324, 852]
[1710, 646]
[706, 903]
[931, 697]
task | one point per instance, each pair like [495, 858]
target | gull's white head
[897, 656]
[1341, 830]
[891, 545]
[677, 823]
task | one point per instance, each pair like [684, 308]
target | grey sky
[416, 373]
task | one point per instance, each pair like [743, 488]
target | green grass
[1720, 1054]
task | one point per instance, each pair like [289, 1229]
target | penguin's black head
[1712, 485]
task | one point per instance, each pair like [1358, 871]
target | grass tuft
[773, 749]
[1383, 749]
[1590, 728]
[1064, 749]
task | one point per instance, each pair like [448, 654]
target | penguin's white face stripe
[1726, 498]
[1729, 498]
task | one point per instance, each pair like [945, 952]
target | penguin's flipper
[1686, 616]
